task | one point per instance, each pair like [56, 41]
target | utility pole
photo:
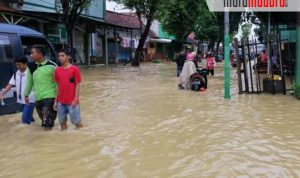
[227, 55]
[269, 45]
[297, 81]
[106, 47]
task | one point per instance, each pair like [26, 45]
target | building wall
[121, 51]
[160, 50]
[155, 27]
[163, 34]
[289, 36]
[95, 10]
[97, 45]
[79, 44]
[86, 44]
[39, 6]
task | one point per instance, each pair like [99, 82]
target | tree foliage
[207, 25]
[246, 30]
[71, 12]
[181, 17]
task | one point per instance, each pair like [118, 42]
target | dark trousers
[211, 71]
[179, 69]
[46, 112]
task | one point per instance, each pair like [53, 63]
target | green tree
[179, 17]
[71, 10]
[233, 36]
[246, 30]
[208, 27]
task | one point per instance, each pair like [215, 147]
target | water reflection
[140, 125]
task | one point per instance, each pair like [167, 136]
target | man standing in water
[42, 80]
[68, 80]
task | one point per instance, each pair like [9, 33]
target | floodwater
[139, 125]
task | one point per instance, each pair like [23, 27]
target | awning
[167, 41]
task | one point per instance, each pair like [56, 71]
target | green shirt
[42, 81]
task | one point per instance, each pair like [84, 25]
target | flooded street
[139, 125]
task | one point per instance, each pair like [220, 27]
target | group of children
[50, 89]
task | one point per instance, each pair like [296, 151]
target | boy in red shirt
[68, 80]
[264, 57]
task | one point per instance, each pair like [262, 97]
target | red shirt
[263, 57]
[210, 64]
[232, 58]
[67, 80]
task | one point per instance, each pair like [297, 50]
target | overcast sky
[112, 6]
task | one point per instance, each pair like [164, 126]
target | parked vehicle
[16, 41]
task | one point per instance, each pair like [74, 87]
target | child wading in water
[19, 79]
[210, 64]
[68, 80]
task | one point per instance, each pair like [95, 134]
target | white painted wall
[113, 6]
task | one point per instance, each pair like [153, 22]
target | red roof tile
[6, 9]
[128, 20]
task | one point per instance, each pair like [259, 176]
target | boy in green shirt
[42, 80]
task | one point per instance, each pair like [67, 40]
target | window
[6, 52]
[28, 42]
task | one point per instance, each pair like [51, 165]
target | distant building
[45, 17]
[123, 36]
[160, 43]
[100, 36]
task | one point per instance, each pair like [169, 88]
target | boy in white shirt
[19, 80]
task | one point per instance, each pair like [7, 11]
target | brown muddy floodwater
[139, 125]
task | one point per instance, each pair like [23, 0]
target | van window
[6, 52]
[28, 42]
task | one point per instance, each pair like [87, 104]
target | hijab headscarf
[191, 56]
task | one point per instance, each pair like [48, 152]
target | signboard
[39, 6]
[96, 9]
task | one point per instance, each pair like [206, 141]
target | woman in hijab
[189, 68]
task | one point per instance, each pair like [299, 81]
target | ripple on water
[138, 124]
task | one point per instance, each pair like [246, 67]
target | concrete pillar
[106, 49]
[117, 51]
[116, 46]
[297, 74]
[86, 49]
